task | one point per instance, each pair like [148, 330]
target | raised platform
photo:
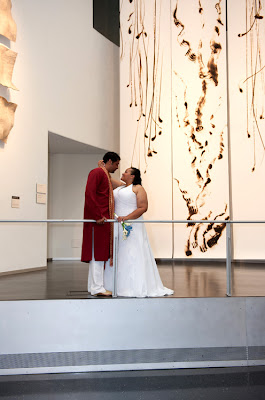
[129, 334]
[188, 278]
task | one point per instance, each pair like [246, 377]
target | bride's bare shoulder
[138, 189]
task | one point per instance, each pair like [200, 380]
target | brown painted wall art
[173, 114]
[199, 93]
[144, 81]
[253, 86]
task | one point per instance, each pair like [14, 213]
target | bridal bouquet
[126, 229]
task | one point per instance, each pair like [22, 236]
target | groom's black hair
[110, 155]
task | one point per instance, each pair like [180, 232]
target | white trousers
[98, 278]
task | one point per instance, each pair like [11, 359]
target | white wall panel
[67, 182]
[68, 80]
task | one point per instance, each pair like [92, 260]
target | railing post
[228, 259]
[115, 257]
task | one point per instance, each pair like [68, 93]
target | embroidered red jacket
[96, 207]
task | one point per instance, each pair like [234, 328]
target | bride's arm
[142, 204]
[116, 183]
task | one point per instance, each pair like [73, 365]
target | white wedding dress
[137, 273]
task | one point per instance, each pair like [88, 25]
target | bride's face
[126, 176]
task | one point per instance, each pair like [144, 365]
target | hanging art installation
[141, 36]
[8, 29]
[8, 26]
[7, 115]
[253, 86]
[145, 124]
[186, 42]
[8, 59]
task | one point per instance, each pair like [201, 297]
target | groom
[97, 237]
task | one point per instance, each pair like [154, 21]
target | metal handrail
[163, 221]
[207, 221]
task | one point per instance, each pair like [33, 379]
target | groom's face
[113, 165]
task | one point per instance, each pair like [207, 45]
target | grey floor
[68, 279]
[246, 383]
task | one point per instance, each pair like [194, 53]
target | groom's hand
[101, 221]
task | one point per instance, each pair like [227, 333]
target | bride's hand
[101, 163]
[121, 219]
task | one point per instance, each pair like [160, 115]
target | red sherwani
[96, 207]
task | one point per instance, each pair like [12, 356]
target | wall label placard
[15, 201]
[41, 198]
[41, 188]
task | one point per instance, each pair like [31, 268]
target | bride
[137, 273]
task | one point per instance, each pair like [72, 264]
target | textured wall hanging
[8, 26]
[7, 58]
[7, 115]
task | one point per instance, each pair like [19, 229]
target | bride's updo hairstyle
[137, 176]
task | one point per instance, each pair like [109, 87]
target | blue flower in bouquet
[126, 229]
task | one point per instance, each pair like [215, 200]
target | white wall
[67, 182]
[68, 76]
[80, 72]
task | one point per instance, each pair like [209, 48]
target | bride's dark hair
[137, 176]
